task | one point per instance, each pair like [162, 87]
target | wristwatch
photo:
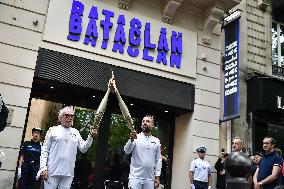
[260, 183]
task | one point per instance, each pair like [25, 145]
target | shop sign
[103, 29]
[231, 70]
[173, 47]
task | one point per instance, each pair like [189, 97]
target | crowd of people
[266, 167]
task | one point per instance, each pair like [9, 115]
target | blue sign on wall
[173, 47]
[231, 70]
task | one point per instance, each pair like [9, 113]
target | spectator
[221, 173]
[237, 144]
[267, 173]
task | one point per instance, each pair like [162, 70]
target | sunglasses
[69, 115]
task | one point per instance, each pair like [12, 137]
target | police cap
[201, 149]
[37, 129]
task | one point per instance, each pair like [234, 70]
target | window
[277, 44]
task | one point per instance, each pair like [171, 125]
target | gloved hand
[209, 187]
[19, 173]
[192, 186]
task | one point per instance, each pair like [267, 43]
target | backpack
[3, 116]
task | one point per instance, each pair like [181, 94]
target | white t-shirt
[58, 154]
[201, 169]
[146, 157]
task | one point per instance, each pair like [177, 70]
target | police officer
[200, 171]
[29, 161]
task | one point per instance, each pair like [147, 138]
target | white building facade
[175, 42]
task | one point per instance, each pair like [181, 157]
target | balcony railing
[278, 71]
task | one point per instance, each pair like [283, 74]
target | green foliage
[119, 133]
[83, 119]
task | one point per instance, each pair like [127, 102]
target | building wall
[19, 42]
[20, 39]
[202, 126]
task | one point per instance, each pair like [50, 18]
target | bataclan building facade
[165, 55]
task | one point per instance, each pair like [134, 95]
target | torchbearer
[146, 164]
[58, 155]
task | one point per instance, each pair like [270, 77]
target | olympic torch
[123, 108]
[101, 109]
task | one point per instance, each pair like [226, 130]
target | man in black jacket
[221, 173]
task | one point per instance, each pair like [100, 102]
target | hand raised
[133, 135]
[93, 131]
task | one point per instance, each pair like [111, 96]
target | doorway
[106, 155]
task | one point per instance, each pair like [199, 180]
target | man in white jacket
[146, 164]
[59, 151]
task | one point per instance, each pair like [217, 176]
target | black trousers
[28, 177]
[200, 185]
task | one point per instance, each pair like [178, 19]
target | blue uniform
[266, 166]
[30, 166]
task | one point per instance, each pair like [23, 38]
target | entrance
[105, 159]
[62, 79]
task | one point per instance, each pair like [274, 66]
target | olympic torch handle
[125, 111]
[101, 110]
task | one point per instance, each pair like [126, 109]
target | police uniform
[31, 151]
[200, 169]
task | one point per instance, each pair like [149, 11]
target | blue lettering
[176, 42]
[147, 39]
[163, 42]
[119, 38]
[162, 57]
[77, 8]
[91, 33]
[118, 46]
[132, 52]
[106, 24]
[134, 37]
[94, 13]
[146, 55]
[175, 60]
[119, 33]
[75, 21]
[135, 32]
[75, 27]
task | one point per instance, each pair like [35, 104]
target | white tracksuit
[146, 158]
[58, 154]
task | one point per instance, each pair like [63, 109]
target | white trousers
[60, 182]
[140, 184]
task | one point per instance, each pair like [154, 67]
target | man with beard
[145, 167]
[146, 161]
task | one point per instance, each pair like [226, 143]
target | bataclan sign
[122, 36]
[134, 37]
